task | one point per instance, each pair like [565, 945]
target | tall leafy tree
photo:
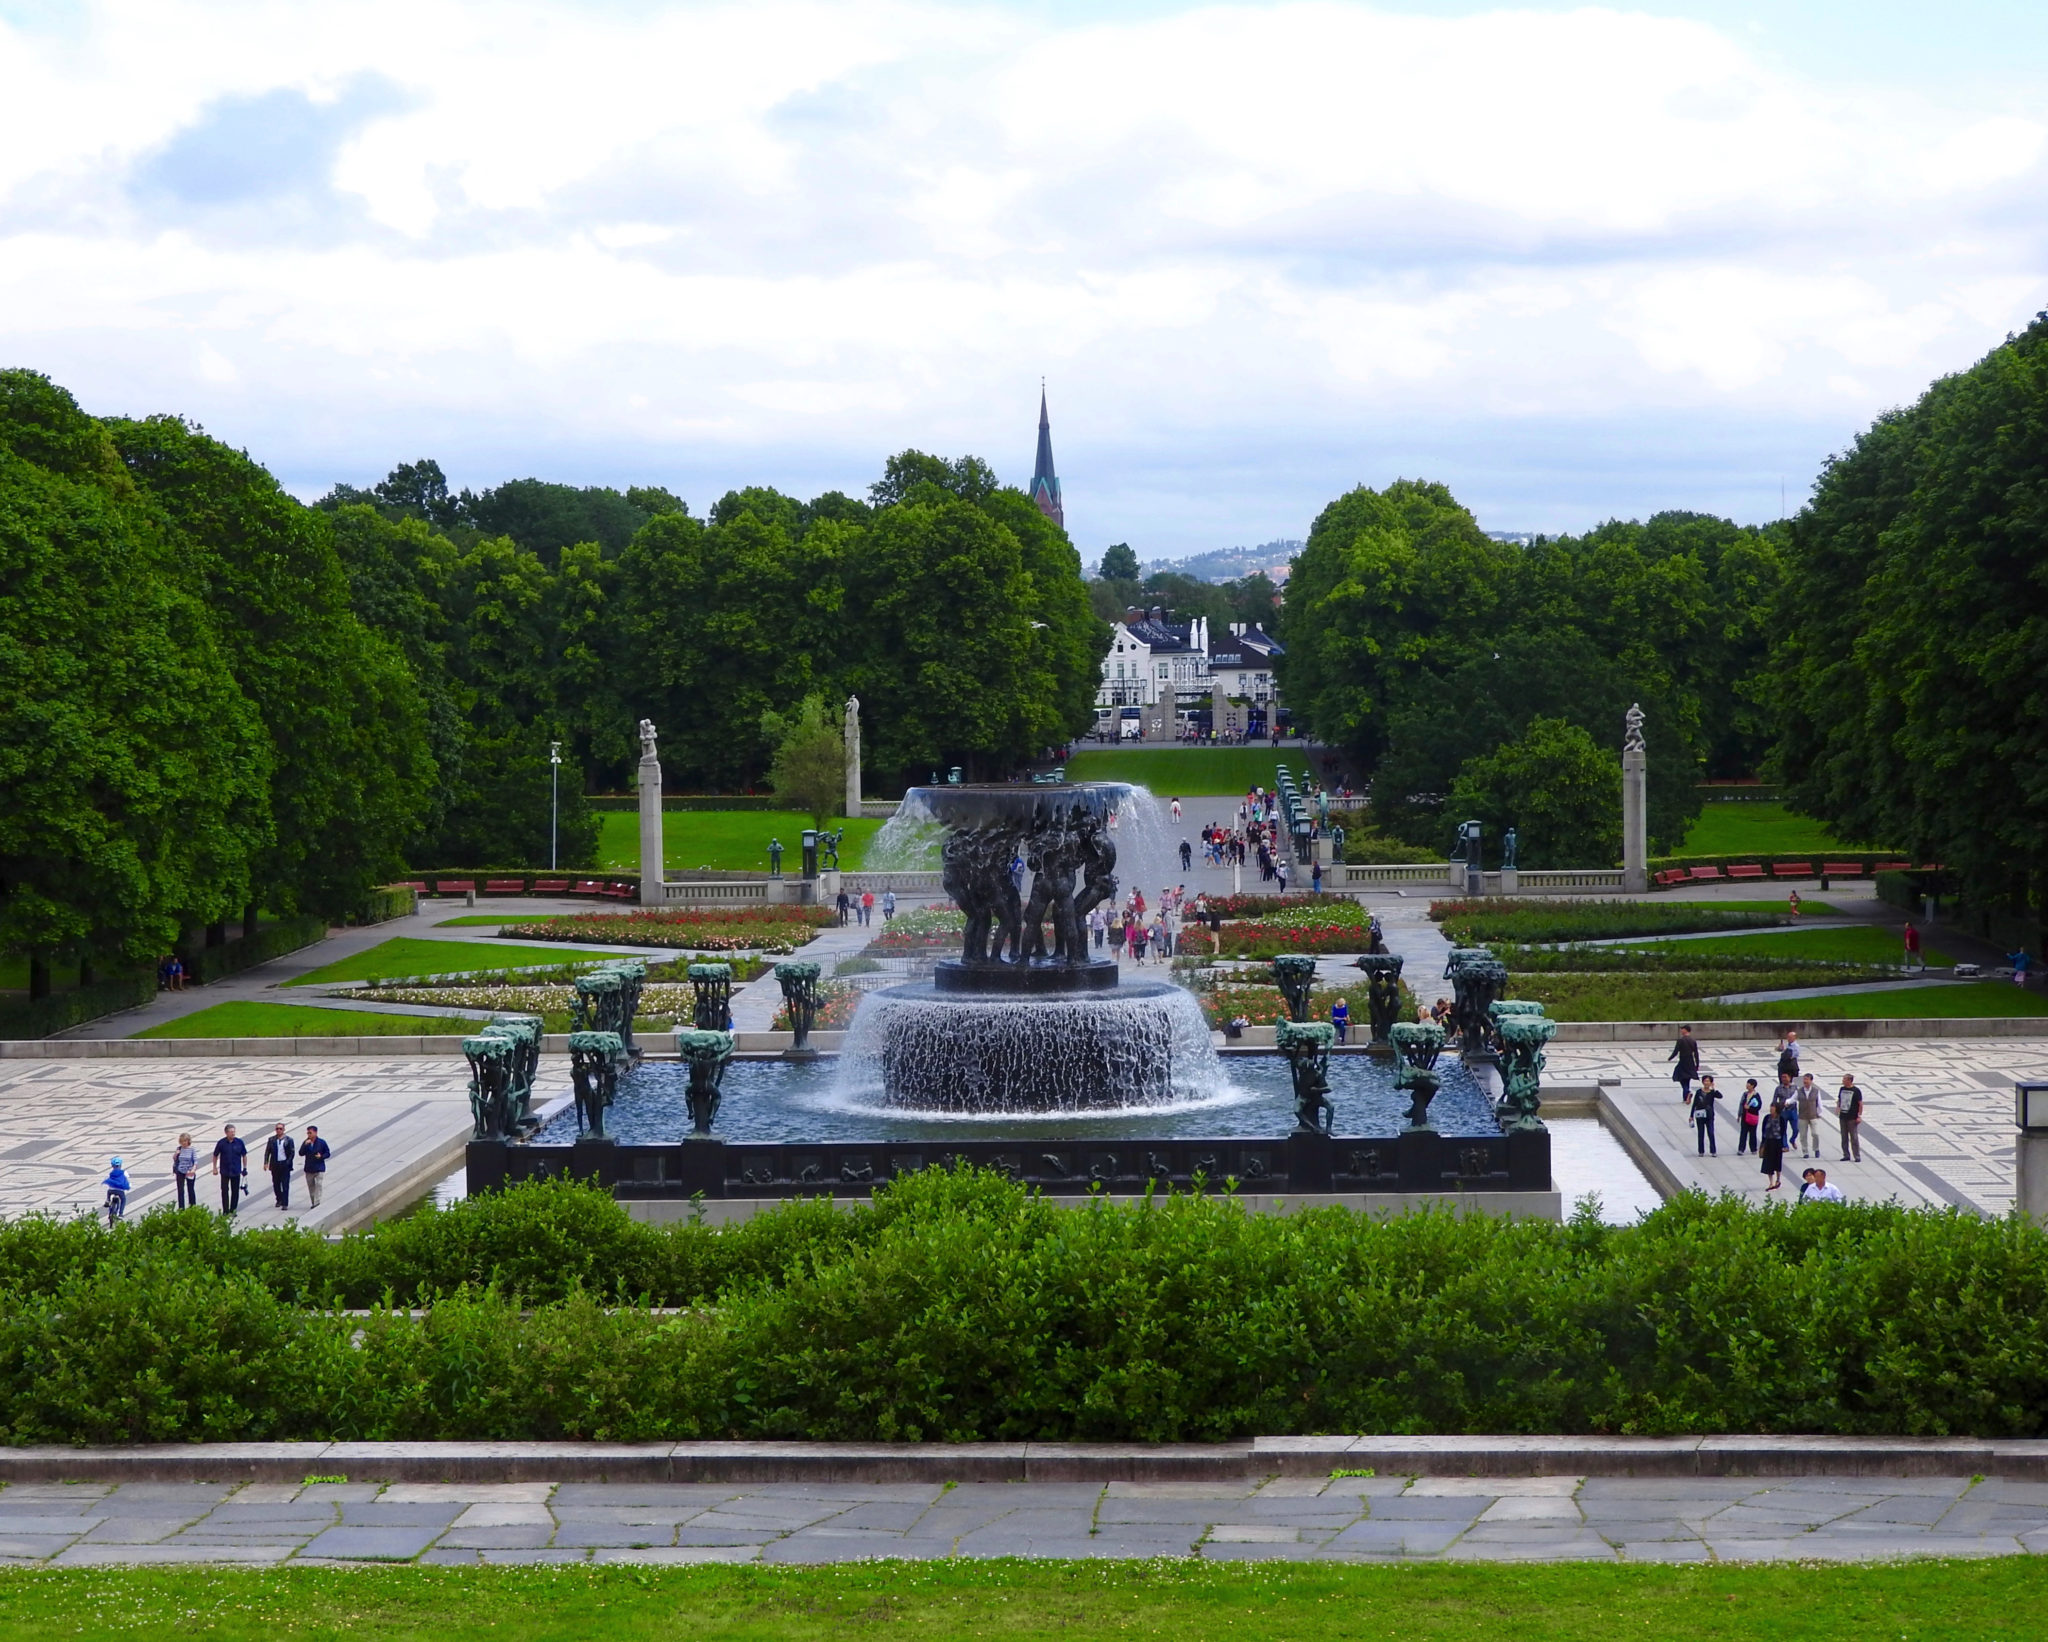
[1557, 787]
[1913, 639]
[350, 772]
[136, 773]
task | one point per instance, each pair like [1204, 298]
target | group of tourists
[1769, 1123]
[860, 909]
[170, 974]
[1138, 928]
[231, 1166]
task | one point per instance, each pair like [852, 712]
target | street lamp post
[554, 799]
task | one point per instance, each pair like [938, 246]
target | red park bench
[587, 886]
[1841, 869]
[1792, 869]
[551, 886]
[1675, 875]
[454, 886]
[1747, 870]
[1706, 872]
[416, 884]
[620, 892]
[505, 886]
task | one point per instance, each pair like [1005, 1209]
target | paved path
[396, 1127]
[1938, 1115]
[1353, 1519]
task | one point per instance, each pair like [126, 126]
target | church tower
[1045, 484]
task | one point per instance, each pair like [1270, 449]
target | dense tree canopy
[1913, 647]
[136, 772]
[1420, 644]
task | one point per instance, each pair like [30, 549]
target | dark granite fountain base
[1039, 978]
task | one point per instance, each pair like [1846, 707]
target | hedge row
[43, 1017]
[206, 964]
[960, 1308]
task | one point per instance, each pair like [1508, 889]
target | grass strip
[722, 840]
[406, 955]
[283, 1020]
[1861, 944]
[1765, 829]
[1926, 1601]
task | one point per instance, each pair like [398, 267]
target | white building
[1242, 665]
[1153, 662]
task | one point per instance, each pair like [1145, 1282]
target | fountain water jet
[1026, 1019]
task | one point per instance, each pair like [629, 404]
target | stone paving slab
[1558, 1517]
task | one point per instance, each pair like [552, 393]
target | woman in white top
[185, 1167]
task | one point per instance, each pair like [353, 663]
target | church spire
[1045, 484]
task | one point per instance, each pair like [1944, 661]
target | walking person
[1786, 1099]
[843, 905]
[1913, 960]
[1771, 1146]
[117, 1193]
[1788, 1054]
[230, 1162]
[1751, 1110]
[1809, 1116]
[1686, 1052]
[1315, 877]
[313, 1155]
[1187, 856]
[1849, 1113]
[1135, 938]
[1176, 813]
[185, 1172]
[867, 909]
[2019, 961]
[888, 905]
[1703, 1099]
[278, 1152]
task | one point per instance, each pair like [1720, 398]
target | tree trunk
[38, 976]
[249, 922]
[86, 977]
[217, 932]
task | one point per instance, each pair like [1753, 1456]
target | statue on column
[852, 734]
[1632, 730]
[647, 738]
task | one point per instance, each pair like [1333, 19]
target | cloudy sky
[1576, 263]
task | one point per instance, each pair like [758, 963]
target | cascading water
[1027, 1019]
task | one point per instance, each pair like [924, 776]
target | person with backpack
[1703, 1099]
[1686, 1052]
[1750, 1108]
[1788, 1054]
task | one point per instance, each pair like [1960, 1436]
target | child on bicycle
[117, 1193]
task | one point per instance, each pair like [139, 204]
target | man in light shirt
[1817, 1189]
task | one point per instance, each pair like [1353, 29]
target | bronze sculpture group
[1073, 869]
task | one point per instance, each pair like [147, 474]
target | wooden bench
[551, 886]
[416, 884]
[454, 886]
[1841, 869]
[1705, 872]
[505, 886]
[587, 886]
[1674, 875]
[1792, 869]
[1747, 870]
[620, 892]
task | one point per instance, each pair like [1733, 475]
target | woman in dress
[1771, 1146]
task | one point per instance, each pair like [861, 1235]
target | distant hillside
[1228, 564]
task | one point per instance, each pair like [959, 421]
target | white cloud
[737, 242]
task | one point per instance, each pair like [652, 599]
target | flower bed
[1317, 925]
[1263, 1006]
[779, 929]
[836, 1005]
[1502, 918]
[919, 931]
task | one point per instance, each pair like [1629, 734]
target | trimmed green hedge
[382, 905]
[698, 801]
[1511, 918]
[211, 963]
[959, 1307]
[46, 1016]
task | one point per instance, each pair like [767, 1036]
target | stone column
[651, 872]
[2030, 1157]
[853, 758]
[1635, 818]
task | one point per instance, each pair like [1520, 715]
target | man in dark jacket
[278, 1152]
[230, 1162]
[1703, 1114]
[1687, 1053]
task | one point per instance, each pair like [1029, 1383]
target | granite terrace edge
[807, 1462]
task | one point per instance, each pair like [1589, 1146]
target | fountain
[1026, 1020]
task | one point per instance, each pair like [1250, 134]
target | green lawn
[724, 840]
[1759, 829]
[408, 955]
[282, 1020]
[1970, 1000]
[1184, 772]
[1860, 944]
[1928, 1601]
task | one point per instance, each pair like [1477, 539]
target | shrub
[959, 1306]
[1510, 918]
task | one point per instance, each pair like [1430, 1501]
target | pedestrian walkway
[1338, 1519]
